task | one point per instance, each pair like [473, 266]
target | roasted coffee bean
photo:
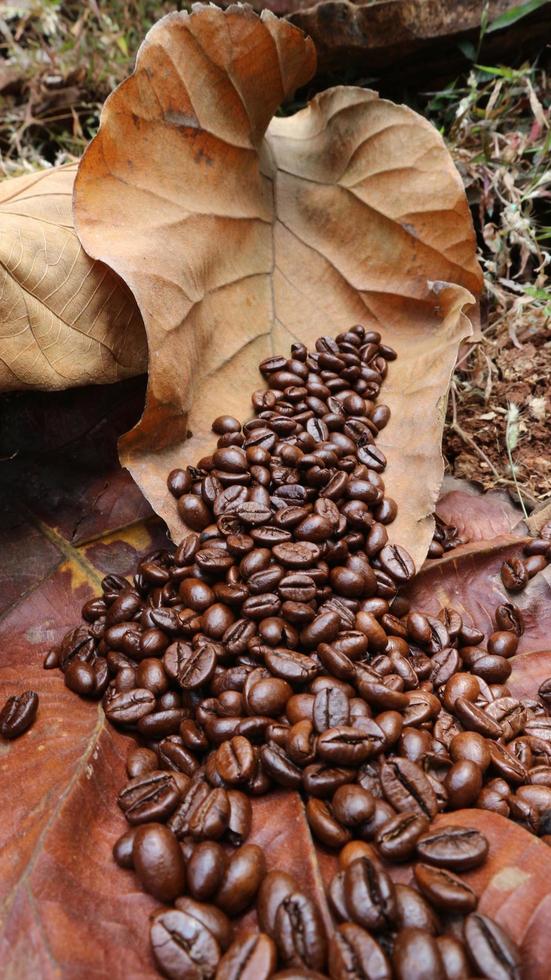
[172, 754]
[455, 848]
[348, 745]
[397, 839]
[407, 788]
[205, 870]
[210, 819]
[472, 746]
[183, 946]
[370, 895]
[355, 955]
[280, 767]
[150, 797]
[444, 889]
[251, 957]
[322, 781]
[352, 805]
[508, 617]
[490, 949]
[235, 760]
[158, 861]
[140, 761]
[297, 587]
[324, 825]
[239, 825]
[268, 697]
[416, 956]
[463, 783]
[476, 720]
[212, 918]
[290, 665]
[80, 678]
[299, 933]
[300, 743]
[454, 958]
[397, 562]
[276, 886]
[128, 707]
[514, 575]
[331, 708]
[504, 643]
[122, 849]
[413, 911]
[245, 870]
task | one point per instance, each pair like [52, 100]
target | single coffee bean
[352, 805]
[414, 912]
[245, 870]
[491, 950]
[140, 761]
[370, 895]
[407, 788]
[514, 575]
[149, 798]
[205, 870]
[122, 849]
[299, 933]
[183, 946]
[18, 714]
[454, 958]
[397, 562]
[509, 617]
[456, 848]
[128, 707]
[276, 886]
[416, 956]
[158, 861]
[235, 760]
[397, 839]
[444, 889]
[210, 819]
[280, 767]
[324, 825]
[212, 918]
[251, 957]
[353, 953]
[463, 783]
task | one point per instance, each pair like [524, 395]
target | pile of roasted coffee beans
[271, 649]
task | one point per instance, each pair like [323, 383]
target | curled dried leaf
[66, 319]
[240, 233]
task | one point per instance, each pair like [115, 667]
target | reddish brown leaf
[468, 579]
[477, 516]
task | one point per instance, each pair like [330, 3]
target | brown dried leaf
[68, 910]
[66, 320]
[238, 236]
[468, 579]
[477, 516]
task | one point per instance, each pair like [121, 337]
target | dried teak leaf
[66, 319]
[240, 233]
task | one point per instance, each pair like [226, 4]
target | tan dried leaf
[65, 319]
[240, 233]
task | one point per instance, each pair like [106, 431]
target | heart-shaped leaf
[65, 319]
[240, 233]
